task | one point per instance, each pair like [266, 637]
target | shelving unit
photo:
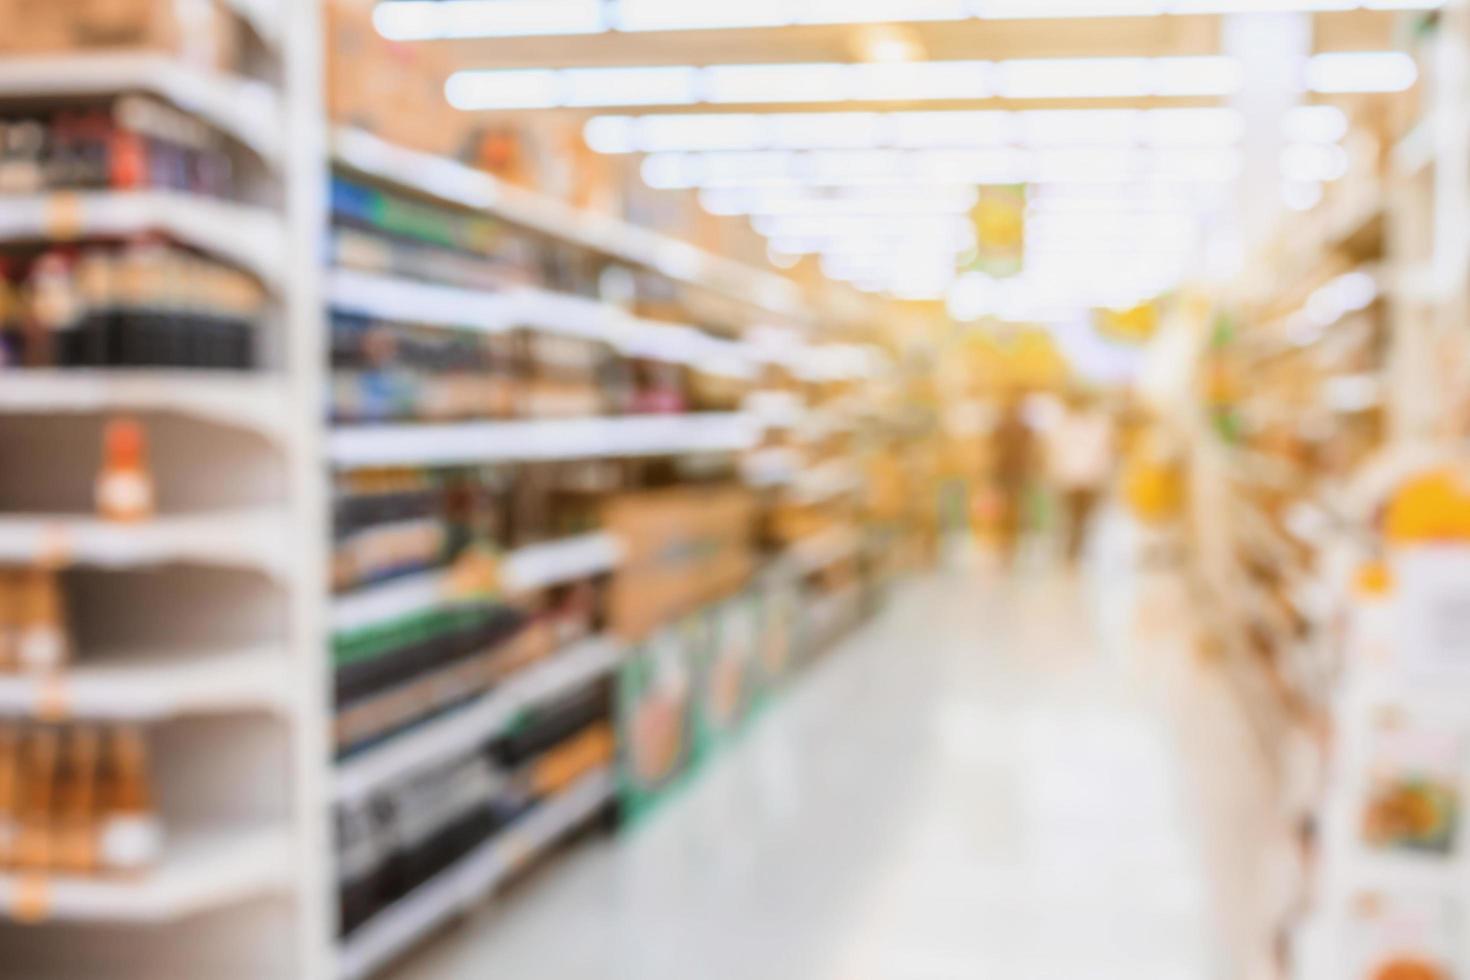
[226, 616]
[232, 684]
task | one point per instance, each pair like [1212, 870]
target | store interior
[796, 489]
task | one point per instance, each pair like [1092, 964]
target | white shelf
[244, 109]
[524, 570]
[458, 185]
[146, 687]
[232, 539]
[391, 298]
[544, 565]
[472, 878]
[252, 237]
[253, 402]
[200, 871]
[405, 300]
[540, 440]
[463, 730]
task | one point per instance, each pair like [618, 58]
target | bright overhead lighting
[418, 20]
[917, 81]
[1361, 71]
[1082, 78]
[825, 130]
[777, 83]
[629, 86]
[426, 20]
[1050, 9]
[678, 15]
[921, 81]
[927, 129]
[1065, 78]
[846, 168]
[952, 128]
[1206, 75]
[527, 88]
[1315, 124]
[921, 201]
[1313, 162]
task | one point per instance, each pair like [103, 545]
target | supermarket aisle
[966, 789]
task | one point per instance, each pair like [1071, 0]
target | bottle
[34, 841]
[55, 309]
[76, 802]
[40, 635]
[125, 490]
[9, 794]
[9, 620]
[129, 835]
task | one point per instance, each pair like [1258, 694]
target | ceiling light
[1313, 162]
[919, 81]
[1197, 76]
[526, 88]
[1065, 78]
[1301, 196]
[776, 83]
[1028, 9]
[425, 20]
[1314, 124]
[629, 86]
[1361, 71]
[679, 15]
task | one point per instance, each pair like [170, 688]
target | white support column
[1272, 48]
[304, 349]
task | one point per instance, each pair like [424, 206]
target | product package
[655, 719]
[1403, 939]
[1413, 794]
[727, 671]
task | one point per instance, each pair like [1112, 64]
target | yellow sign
[999, 218]
[1132, 326]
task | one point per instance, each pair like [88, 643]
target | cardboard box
[201, 32]
[393, 90]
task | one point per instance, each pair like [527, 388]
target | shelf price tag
[53, 703]
[63, 217]
[53, 550]
[517, 850]
[31, 902]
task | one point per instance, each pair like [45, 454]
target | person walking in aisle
[1014, 462]
[1079, 462]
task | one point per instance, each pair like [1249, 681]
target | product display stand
[200, 624]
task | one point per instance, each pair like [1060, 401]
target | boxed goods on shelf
[203, 32]
[395, 91]
[656, 717]
[728, 674]
[684, 549]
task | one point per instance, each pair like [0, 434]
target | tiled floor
[968, 788]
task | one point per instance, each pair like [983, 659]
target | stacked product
[75, 799]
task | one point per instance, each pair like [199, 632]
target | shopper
[1079, 461]
[1014, 455]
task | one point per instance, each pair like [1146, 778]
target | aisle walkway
[966, 790]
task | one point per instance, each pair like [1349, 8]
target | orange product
[125, 490]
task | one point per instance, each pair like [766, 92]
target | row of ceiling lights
[1205, 76]
[417, 20]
